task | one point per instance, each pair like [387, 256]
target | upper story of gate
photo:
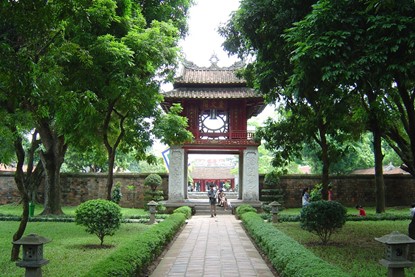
[216, 102]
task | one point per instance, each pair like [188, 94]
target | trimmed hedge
[349, 217]
[187, 211]
[133, 260]
[287, 256]
[245, 208]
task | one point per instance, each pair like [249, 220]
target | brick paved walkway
[212, 247]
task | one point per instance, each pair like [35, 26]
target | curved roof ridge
[214, 66]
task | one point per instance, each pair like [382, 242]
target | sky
[203, 39]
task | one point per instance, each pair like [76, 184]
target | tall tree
[121, 59]
[49, 42]
[366, 51]
[258, 28]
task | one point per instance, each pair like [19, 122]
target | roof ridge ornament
[214, 61]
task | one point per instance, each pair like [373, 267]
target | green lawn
[72, 251]
[353, 248]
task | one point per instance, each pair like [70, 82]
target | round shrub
[153, 181]
[100, 217]
[323, 218]
[244, 208]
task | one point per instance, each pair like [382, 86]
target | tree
[258, 28]
[125, 56]
[28, 29]
[365, 50]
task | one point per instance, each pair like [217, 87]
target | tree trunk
[110, 178]
[52, 197]
[20, 182]
[112, 150]
[379, 181]
[52, 158]
[377, 146]
[325, 161]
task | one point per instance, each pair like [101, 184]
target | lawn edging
[133, 259]
[288, 257]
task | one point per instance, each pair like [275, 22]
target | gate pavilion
[217, 105]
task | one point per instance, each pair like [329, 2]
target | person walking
[212, 200]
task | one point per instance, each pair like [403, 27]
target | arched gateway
[217, 104]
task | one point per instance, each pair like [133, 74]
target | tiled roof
[193, 74]
[212, 93]
[386, 170]
[212, 173]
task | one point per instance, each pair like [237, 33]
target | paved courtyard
[212, 247]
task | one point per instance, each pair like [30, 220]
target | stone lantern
[152, 208]
[32, 254]
[274, 210]
[395, 253]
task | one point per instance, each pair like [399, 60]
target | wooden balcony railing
[233, 135]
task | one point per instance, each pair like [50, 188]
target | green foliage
[153, 180]
[100, 217]
[245, 208]
[287, 256]
[315, 193]
[175, 10]
[116, 193]
[187, 211]
[134, 258]
[323, 218]
[172, 127]
[272, 178]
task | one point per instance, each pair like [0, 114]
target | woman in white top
[305, 197]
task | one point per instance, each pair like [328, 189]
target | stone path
[212, 247]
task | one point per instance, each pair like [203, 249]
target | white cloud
[203, 39]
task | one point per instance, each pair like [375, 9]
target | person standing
[212, 200]
[330, 194]
[412, 210]
[305, 197]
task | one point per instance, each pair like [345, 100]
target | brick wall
[349, 190]
[78, 188]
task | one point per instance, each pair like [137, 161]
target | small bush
[100, 217]
[116, 193]
[244, 208]
[323, 218]
[153, 181]
[187, 211]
